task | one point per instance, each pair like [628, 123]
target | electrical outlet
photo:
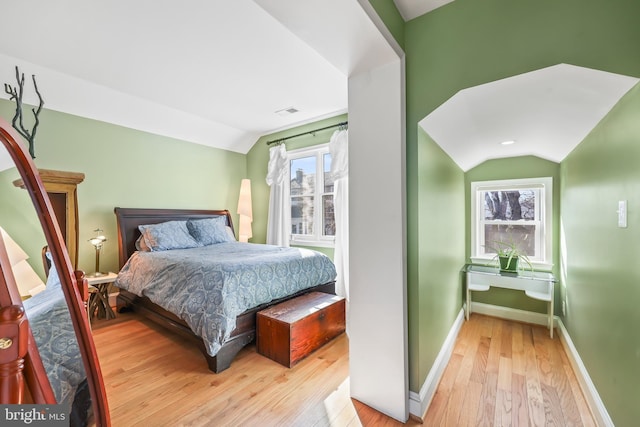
[564, 308]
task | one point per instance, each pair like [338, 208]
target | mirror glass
[43, 298]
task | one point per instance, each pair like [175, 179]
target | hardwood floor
[501, 373]
[505, 373]
[155, 378]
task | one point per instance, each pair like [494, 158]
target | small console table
[535, 284]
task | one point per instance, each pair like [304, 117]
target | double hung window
[311, 195]
[514, 212]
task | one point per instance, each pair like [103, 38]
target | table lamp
[97, 242]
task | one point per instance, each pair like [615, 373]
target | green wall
[602, 286]
[435, 288]
[468, 42]
[388, 12]
[516, 168]
[127, 168]
[258, 161]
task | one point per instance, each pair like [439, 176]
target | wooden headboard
[128, 220]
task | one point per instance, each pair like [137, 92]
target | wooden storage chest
[289, 331]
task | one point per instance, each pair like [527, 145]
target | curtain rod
[281, 140]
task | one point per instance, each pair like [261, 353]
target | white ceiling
[215, 72]
[546, 112]
[349, 39]
[210, 72]
[410, 9]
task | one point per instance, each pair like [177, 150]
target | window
[515, 211]
[311, 192]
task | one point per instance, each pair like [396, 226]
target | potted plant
[509, 255]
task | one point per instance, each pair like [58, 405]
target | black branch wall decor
[18, 120]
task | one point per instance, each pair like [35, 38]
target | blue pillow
[210, 231]
[168, 235]
[53, 280]
[40, 304]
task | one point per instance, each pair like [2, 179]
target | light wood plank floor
[505, 373]
[501, 373]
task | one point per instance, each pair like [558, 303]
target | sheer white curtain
[278, 223]
[339, 149]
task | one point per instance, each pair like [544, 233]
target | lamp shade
[245, 211]
[15, 252]
[29, 283]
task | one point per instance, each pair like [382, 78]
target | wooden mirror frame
[12, 318]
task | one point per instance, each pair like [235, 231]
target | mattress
[209, 286]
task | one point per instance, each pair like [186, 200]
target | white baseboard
[512, 314]
[598, 409]
[418, 403]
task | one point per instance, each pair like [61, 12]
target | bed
[221, 330]
[53, 332]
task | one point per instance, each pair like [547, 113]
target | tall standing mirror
[47, 354]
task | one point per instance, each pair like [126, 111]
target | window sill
[313, 243]
[537, 265]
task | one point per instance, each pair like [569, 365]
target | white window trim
[545, 184]
[318, 240]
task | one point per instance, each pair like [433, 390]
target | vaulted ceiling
[544, 113]
[218, 72]
[210, 72]
[410, 9]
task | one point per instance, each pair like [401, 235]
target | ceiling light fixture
[287, 111]
[509, 142]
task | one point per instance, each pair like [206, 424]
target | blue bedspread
[209, 286]
[53, 331]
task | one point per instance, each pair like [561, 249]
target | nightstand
[98, 304]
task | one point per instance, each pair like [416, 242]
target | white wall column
[352, 37]
[378, 314]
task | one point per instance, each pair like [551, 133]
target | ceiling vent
[287, 111]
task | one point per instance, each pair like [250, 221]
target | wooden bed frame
[128, 220]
